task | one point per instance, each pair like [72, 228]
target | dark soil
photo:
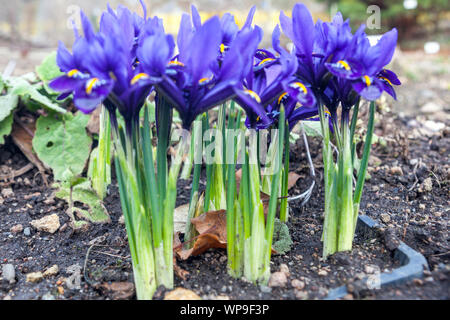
[398, 199]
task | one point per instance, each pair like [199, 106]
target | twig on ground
[415, 174]
[16, 173]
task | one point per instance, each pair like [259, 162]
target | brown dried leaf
[214, 222]
[118, 290]
[292, 179]
[212, 230]
[24, 141]
[181, 273]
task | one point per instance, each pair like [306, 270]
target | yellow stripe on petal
[72, 72]
[367, 80]
[299, 85]
[386, 79]
[344, 64]
[253, 94]
[203, 80]
[138, 77]
[222, 48]
[176, 63]
[90, 85]
[281, 97]
[265, 60]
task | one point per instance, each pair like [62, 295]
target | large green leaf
[7, 104]
[48, 70]
[26, 90]
[5, 127]
[63, 144]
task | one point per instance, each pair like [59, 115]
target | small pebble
[18, 228]
[9, 273]
[52, 271]
[297, 284]
[34, 277]
[7, 192]
[265, 289]
[385, 218]
[397, 171]
[322, 273]
[285, 269]
[27, 231]
[301, 295]
[278, 279]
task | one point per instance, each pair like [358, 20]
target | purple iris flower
[363, 65]
[197, 79]
[82, 77]
[327, 49]
[270, 84]
[101, 68]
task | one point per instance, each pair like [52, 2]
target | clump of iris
[341, 68]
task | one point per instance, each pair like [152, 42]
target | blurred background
[30, 29]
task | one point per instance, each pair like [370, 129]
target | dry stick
[113, 255]
[307, 194]
[415, 175]
[16, 173]
[437, 179]
[86, 277]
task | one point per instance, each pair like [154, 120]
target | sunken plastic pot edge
[412, 263]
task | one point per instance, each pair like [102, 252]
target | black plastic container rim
[412, 263]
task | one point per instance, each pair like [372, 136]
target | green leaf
[26, 90]
[5, 127]
[48, 70]
[63, 144]
[82, 193]
[312, 128]
[7, 104]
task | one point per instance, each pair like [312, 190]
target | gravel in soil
[399, 196]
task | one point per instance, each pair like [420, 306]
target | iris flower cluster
[209, 64]
[340, 68]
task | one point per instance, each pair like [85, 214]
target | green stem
[284, 188]
[330, 228]
[101, 173]
[165, 277]
[196, 146]
[364, 163]
[346, 199]
[274, 195]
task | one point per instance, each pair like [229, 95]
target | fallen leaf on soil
[24, 141]
[181, 273]
[118, 290]
[212, 229]
[181, 294]
[292, 179]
